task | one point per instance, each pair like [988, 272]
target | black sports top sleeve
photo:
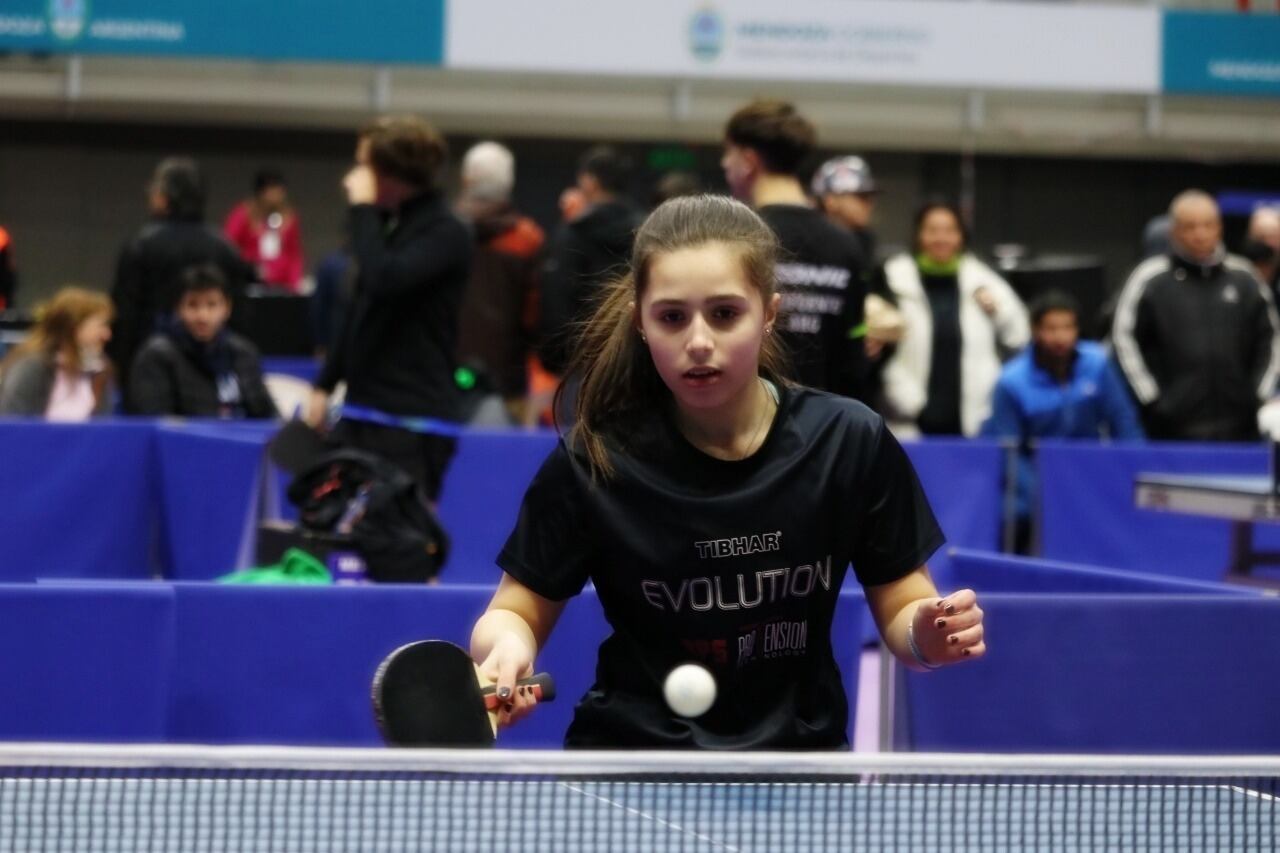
[551, 549]
[898, 529]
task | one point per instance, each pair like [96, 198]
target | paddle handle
[544, 690]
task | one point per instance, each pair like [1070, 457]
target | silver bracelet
[915, 650]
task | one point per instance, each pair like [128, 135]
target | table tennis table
[1242, 500]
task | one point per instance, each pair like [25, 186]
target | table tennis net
[153, 798]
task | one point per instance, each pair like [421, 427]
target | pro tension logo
[706, 34]
[67, 18]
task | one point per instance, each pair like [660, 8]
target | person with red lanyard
[8, 275]
[265, 230]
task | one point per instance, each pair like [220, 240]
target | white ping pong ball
[690, 690]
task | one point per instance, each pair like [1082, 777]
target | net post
[888, 697]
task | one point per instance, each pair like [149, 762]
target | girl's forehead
[697, 272]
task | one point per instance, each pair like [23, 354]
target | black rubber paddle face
[426, 694]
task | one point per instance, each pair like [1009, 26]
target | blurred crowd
[447, 310]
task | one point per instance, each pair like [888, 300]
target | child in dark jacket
[196, 367]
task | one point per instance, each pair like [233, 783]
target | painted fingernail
[510, 706]
[941, 623]
[941, 603]
[953, 639]
[522, 690]
[965, 652]
[951, 608]
[504, 692]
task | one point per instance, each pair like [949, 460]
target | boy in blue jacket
[1058, 387]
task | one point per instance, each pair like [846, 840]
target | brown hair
[54, 333]
[406, 148]
[782, 137]
[616, 380]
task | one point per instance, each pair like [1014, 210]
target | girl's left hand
[949, 630]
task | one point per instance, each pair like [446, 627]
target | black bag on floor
[357, 494]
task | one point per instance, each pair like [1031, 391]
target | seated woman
[196, 367]
[59, 371]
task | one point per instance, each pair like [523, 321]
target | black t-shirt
[732, 564]
[821, 279]
[941, 413]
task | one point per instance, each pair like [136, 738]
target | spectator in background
[1262, 246]
[1196, 333]
[586, 251]
[847, 194]
[960, 319]
[60, 371]
[147, 276]
[196, 367]
[265, 229]
[1059, 387]
[398, 344]
[821, 272]
[8, 271]
[676, 185]
[1155, 236]
[496, 324]
[571, 203]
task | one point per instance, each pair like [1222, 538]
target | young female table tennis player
[716, 508]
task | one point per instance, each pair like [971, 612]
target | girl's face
[940, 237]
[93, 333]
[704, 322]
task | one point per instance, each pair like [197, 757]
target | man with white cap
[846, 191]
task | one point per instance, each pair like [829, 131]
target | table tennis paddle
[430, 693]
[297, 446]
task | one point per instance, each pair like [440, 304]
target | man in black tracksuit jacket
[1196, 334]
[396, 350]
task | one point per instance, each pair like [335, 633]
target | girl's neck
[735, 430]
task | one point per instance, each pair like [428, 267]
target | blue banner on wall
[410, 31]
[1245, 202]
[1207, 53]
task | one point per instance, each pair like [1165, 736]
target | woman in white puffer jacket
[960, 321]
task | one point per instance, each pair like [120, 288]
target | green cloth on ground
[295, 567]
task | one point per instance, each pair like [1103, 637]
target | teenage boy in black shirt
[821, 273]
